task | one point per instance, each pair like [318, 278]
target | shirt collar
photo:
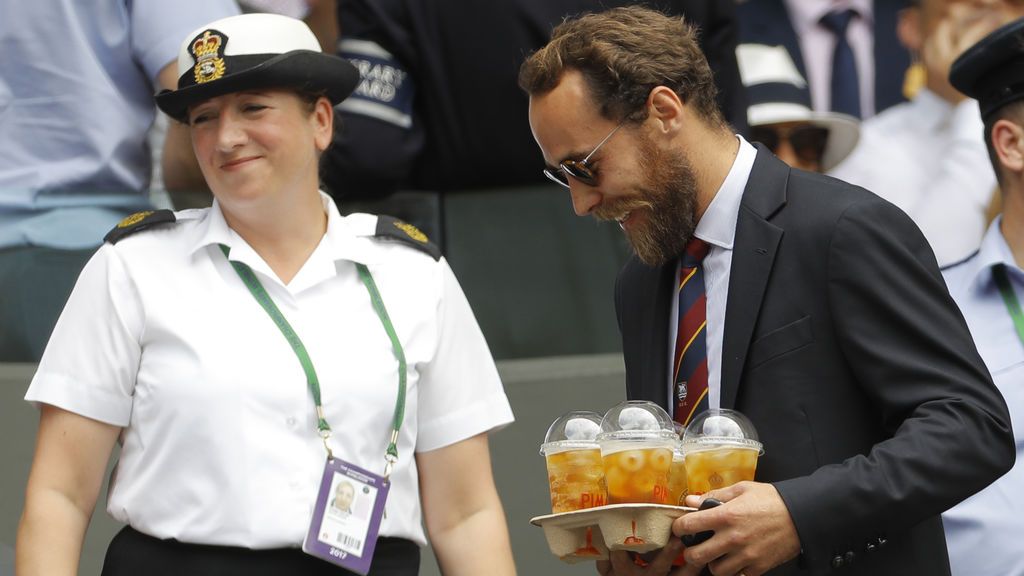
[994, 250]
[350, 237]
[346, 237]
[718, 224]
[213, 231]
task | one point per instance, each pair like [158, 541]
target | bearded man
[812, 306]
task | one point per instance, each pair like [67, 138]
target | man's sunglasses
[808, 142]
[578, 169]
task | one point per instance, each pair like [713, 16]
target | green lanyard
[260, 294]
[1009, 298]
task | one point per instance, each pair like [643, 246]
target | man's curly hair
[623, 54]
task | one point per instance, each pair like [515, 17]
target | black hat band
[778, 92]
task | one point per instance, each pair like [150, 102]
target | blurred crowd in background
[855, 88]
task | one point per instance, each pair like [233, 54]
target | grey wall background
[540, 390]
[540, 279]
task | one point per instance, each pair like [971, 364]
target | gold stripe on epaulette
[412, 231]
[134, 219]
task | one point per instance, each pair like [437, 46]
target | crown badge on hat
[207, 50]
[265, 51]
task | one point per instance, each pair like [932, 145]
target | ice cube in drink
[636, 473]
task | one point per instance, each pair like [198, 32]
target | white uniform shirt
[717, 227]
[983, 532]
[929, 159]
[220, 446]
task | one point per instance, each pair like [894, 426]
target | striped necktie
[691, 358]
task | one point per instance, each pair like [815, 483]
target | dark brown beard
[670, 195]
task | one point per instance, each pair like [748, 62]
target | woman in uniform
[250, 356]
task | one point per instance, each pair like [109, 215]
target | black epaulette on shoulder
[389, 227]
[138, 221]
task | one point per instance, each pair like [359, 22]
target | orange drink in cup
[719, 467]
[721, 448]
[636, 445]
[575, 469]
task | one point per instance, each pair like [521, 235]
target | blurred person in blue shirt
[76, 102]
[983, 532]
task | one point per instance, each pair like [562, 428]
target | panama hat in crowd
[254, 51]
[778, 93]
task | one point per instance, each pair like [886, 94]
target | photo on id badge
[346, 516]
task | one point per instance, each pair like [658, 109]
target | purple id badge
[346, 517]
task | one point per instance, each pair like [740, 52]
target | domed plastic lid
[637, 420]
[720, 428]
[572, 431]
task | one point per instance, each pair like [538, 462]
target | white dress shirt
[717, 227]
[928, 158]
[818, 43]
[220, 445]
[983, 532]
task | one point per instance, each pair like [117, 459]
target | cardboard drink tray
[589, 534]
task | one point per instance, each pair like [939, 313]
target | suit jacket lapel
[753, 256]
[654, 308]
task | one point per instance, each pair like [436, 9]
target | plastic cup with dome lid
[573, 457]
[637, 439]
[721, 448]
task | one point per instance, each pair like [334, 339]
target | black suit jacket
[844, 348]
[767, 22]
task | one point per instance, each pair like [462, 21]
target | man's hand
[753, 531]
[621, 563]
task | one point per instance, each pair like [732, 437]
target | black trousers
[132, 553]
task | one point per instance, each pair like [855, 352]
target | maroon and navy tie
[691, 357]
